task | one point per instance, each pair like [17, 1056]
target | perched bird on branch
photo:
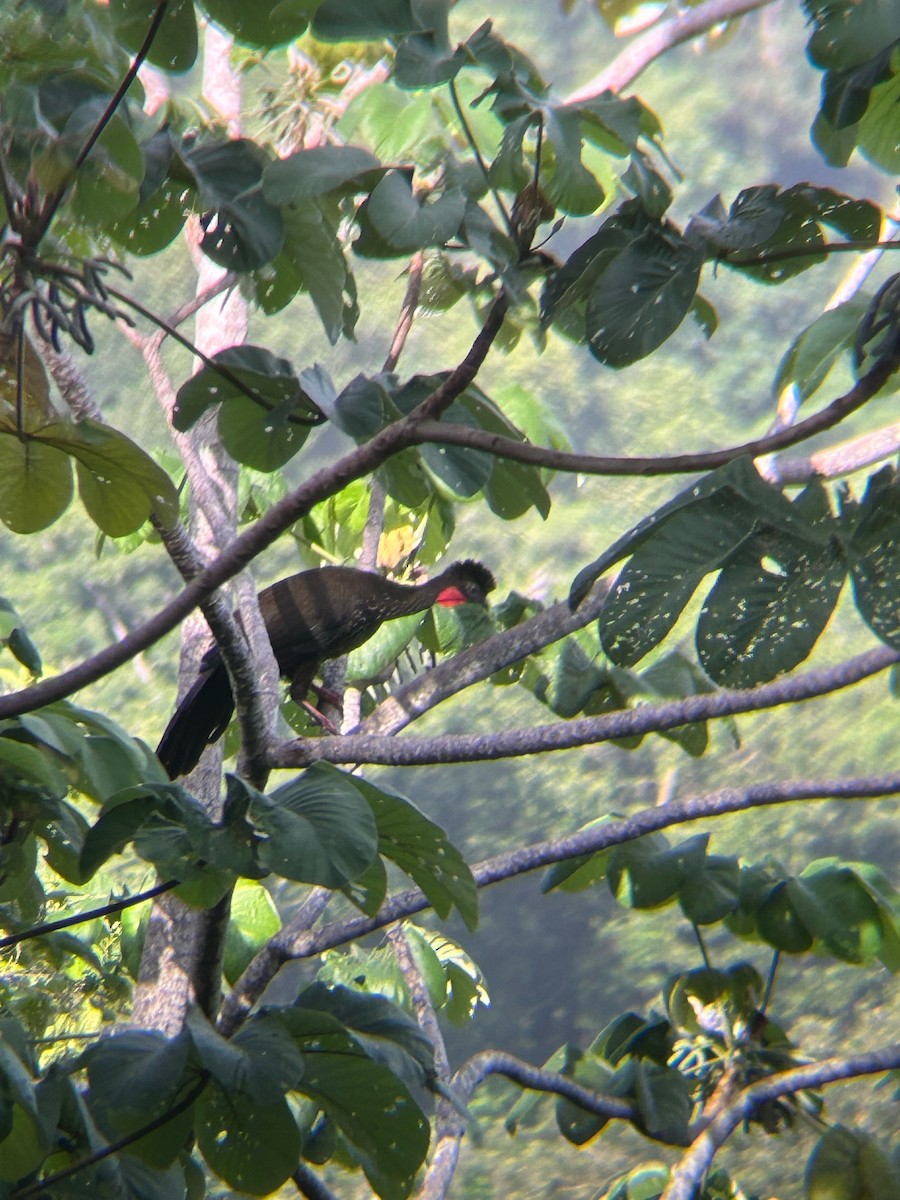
[310, 618]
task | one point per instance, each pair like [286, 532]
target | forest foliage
[455, 160]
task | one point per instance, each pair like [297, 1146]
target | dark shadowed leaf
[361, 20]
[263, 25]
[873, 549]
[310, 173]
[174, 48]
[649, 872]
[320, 829]
[422, 849]
[252, 1147]
[642, 297]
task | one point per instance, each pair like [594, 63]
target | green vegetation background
[560, 967]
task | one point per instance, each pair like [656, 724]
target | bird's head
[465, 583]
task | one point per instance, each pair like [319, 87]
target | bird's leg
[302, 685]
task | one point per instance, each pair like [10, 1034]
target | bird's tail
[200, 718]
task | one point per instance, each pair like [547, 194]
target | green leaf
[816, 350]
[394, 221]
[709, 895]
[873, 549]
[253, 920]
[642, 297]
[767, 609]
[241, 230]
[576, 1124]
[387, 1034]
[113, 830]
[848, 32]
[725, 490]
[422, 849]
[877, 137]
[174, 48]
[584, 870]
[320, 828]
[837, 910]
[35, 484]
[260, 437]
[307, 174]
[261, 25]
[252, 1147]
[387, 1135]
[134, 1078]
[849, 1163]
[648, 872]
[666, 570]
[107, 183]
[427, 60]
[568, 184]
[29, 765]
[260, 1061]
[371, 661]
[362, 20]
[779, 924]
[664, 1102]
[265, 431]
[119, 483]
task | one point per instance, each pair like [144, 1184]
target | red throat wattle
[451, 597]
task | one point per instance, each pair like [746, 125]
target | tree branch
[689, 23]
[842, 459]
[294, 942]
[496, 1062]
[687, 1176]
[673, 464]
[584, 731]
[470, 666]
[259, 536]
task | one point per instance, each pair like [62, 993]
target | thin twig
[91, 914]
[673, 464]
[54, 199]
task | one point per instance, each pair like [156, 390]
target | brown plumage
[310, 618]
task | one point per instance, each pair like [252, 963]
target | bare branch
[496, 1062]
[688, 1174]
[588, 464]
[584, 731]
[407, 311]
[537, 1079]
[292, 942]
[689, 23]
[842, 459]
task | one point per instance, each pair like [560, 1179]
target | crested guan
[310, 617]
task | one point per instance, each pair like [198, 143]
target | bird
[310, 617]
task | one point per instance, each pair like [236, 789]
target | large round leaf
[320, 829]
[252, 1147]
[35, 484]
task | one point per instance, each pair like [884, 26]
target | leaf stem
[55, 198]
[473, 146]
